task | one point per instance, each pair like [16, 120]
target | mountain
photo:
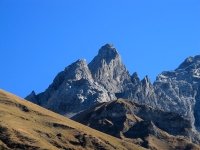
[140, 124]
[105, 78]
[174, 91]
[72, 91]
[108, 70]
[24, 125]
[182, 87]
[81, 86]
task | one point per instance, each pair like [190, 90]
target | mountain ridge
[106, 78]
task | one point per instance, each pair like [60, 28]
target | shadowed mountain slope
[140, 124]
[24, 125]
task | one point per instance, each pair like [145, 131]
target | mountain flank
[24, 125]
[140, 124]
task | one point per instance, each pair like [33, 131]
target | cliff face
[108, 70]
[105, 78]
[72, 91]
[181, 88]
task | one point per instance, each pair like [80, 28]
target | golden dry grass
[24, 125]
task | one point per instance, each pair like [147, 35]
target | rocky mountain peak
[108, 70]
[135, 75]
[33, 93]
[77, 64]
[32, 97]
[190, 62]
[146, 80]
[179, 90]
[78, 70]
[108, 53]
[135, 79]
[107, 47]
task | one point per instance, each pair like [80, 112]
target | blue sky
[39, 38]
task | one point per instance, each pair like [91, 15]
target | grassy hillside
[24, 125]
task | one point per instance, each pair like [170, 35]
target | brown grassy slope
[132, 128]
[24, 125]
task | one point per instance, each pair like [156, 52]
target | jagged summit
[79, 62]
[107, 53]
[108, 69]
[135, 75]
[108, 46]
[78, 70]
[190, 62]
[181, 90]
[146, 80]
[32, 97]
[135, 79]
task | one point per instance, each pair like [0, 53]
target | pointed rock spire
[32, 97]
[190, 62]
[78, 70]
[135, 79]
[108, 70]
[108, 53]
[146, 80]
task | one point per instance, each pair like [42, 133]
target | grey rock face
[72, 91]
[107, 69]
[175, 91]
[179, 89]
[140, 91]
[80, 86]
[32, 97]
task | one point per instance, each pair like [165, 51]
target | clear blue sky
[39, 38]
